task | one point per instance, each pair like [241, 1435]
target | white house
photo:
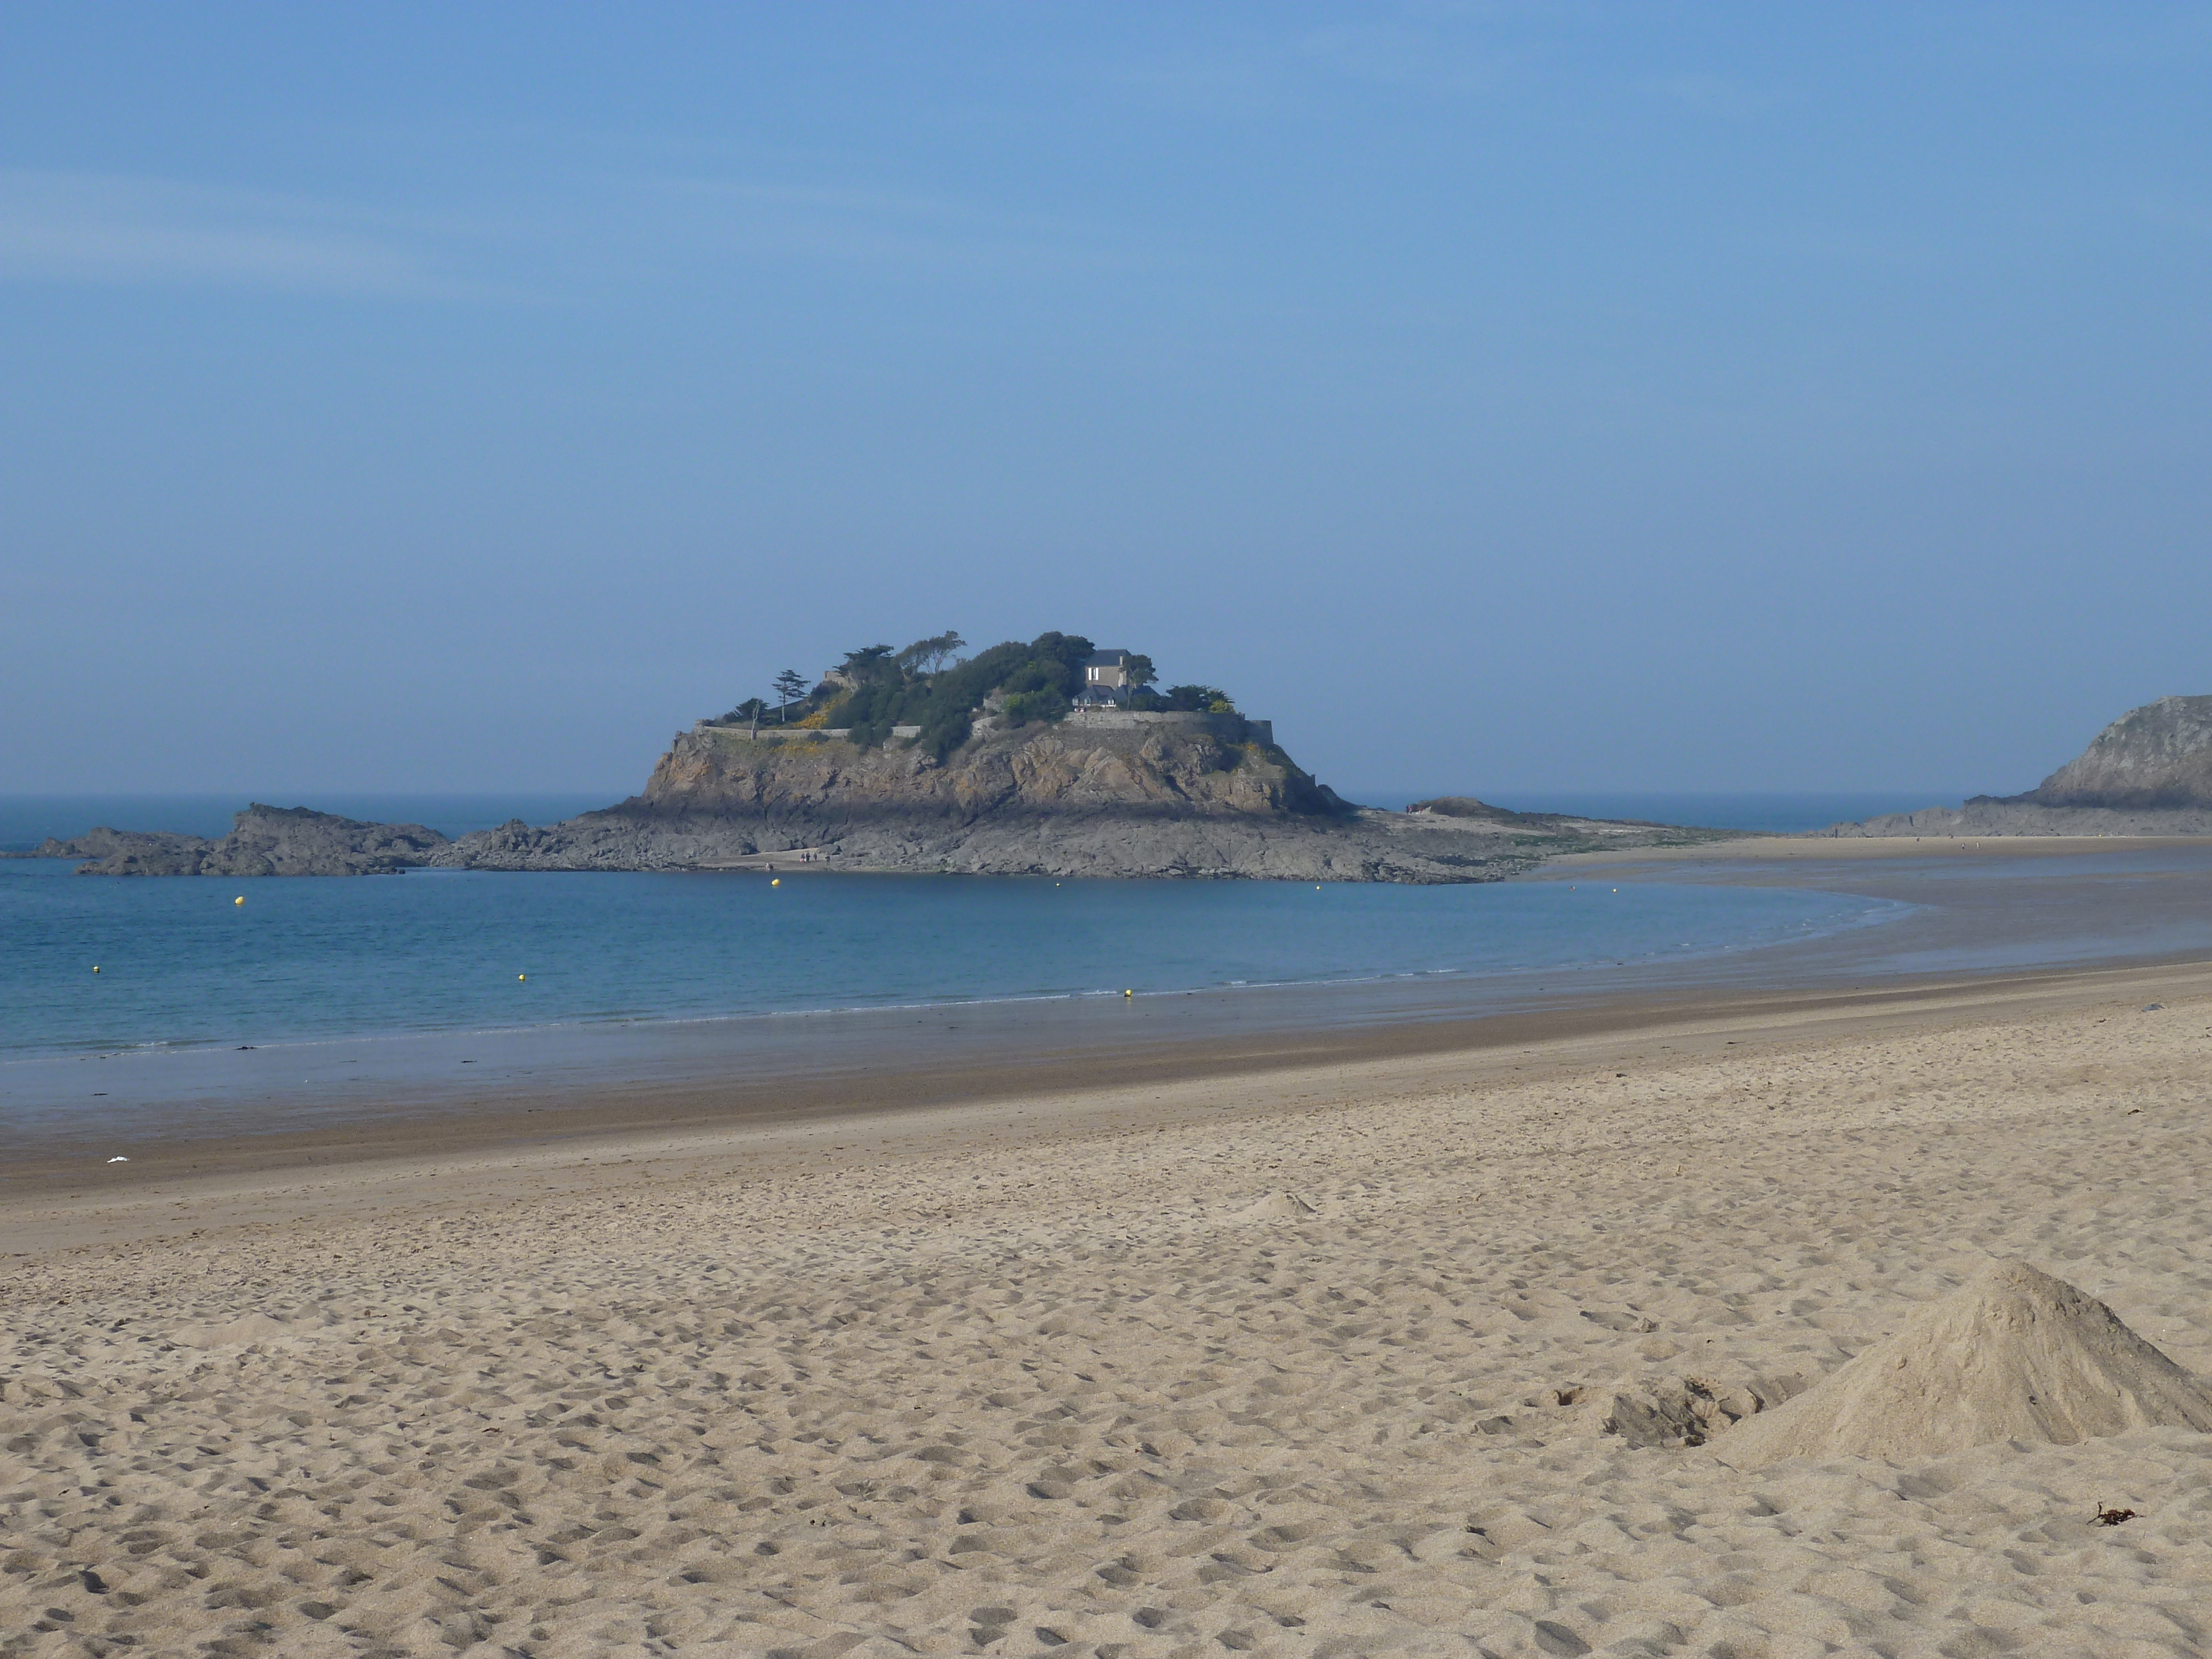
[1106, 676]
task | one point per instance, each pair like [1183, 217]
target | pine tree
[790, 687]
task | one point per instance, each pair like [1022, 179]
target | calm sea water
[182, 963]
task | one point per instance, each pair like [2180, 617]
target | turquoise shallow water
[183, 965]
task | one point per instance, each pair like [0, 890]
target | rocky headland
[1102, 794]
[2149, 773]
[263, 840]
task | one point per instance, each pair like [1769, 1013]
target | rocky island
[2149, 773]
[263, 840]
[1046, 758]
[1049, 758]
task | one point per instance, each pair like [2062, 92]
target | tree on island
[928, 656]
[751, 710]
[879, 690]
[1200, 699]
[790, 687]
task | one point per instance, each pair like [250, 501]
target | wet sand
[1348, 1346]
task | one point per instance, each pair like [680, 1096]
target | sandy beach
[1105, 832]
[1387, 1355]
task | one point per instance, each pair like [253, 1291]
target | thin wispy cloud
[86, 227]
[874, 227]
[63, 227]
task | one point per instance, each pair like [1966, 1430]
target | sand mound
[2014, 1354]
[252, 1327]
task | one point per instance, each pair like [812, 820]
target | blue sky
[1501, 398]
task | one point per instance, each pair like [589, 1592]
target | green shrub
[1041, 705]
[1039, 680]
[1200, 699]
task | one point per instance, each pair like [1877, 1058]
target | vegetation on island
[930, 685]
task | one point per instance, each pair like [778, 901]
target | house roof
[1104, 659]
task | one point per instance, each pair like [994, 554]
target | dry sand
[1407, 1356]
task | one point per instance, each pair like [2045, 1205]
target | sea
[95, 968]
[186, 962]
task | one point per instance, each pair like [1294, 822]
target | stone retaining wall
[1235, 728]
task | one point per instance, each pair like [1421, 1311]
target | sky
[1500, 397]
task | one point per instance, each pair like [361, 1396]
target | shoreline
[1977, 924]
[63, 1193]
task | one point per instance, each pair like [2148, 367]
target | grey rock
[2159, 755]
[263, 840]
[1037, 801]
[1213, 800]
[104, 843]
[1460, 806]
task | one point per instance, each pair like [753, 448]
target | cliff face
[263, 840]
[826, 782]
[1044, 800]
[2157, 756]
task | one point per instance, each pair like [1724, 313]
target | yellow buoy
[522, 976]
[240, 899]
[95, 966]
[776, 881]
[1128, 994]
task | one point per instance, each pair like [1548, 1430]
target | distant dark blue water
[182, 963]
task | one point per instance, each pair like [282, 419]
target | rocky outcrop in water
[1201, 798]
[1187, 795]
[263, 840]
[103, 844]
[2149, 773]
